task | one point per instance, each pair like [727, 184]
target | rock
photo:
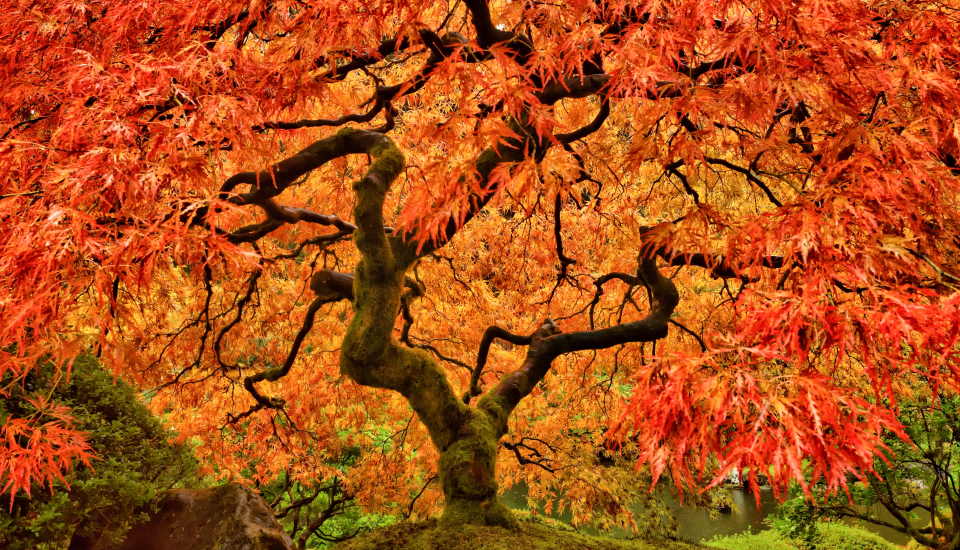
[227, 517]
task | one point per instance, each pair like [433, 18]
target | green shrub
[830, 536]
[796, 520]
[764, 540]
[839, 536]
[134, 462]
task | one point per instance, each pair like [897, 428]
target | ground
[428, 535]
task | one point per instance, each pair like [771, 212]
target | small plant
[796, 520]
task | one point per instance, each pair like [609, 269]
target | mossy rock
[430, 535]
[230, 517]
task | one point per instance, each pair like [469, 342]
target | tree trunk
[467, 437]
[370, 355]
[468, 474]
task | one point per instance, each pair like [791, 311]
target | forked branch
[548, 342]
[492, 333]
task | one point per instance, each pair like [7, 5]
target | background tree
[919, 488]
[173, 199]
[318, 515]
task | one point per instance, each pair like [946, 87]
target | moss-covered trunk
[468, 474]
[466, 436]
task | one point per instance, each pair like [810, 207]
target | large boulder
[227, 517]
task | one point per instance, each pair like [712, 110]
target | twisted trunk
[468, 473]
[466, 436]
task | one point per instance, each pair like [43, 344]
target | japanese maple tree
[692, 235]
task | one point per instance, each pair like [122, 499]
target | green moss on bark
[466, 437]
[468, 475]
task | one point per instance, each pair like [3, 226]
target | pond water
[699, 524]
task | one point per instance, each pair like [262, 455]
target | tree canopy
[566, 236]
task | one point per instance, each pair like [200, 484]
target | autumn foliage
[741, 218]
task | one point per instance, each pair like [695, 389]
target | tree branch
[318, 123]
[369, 354]
[535, 458]
[359, 61]
[590, 128]
[719, 266]
[493, 332]
[487, 33]
[653, 327]
[548, 343]
[332, 285]
[277, 373]
[574, 86]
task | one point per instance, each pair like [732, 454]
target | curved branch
[518, 384]
[269, 183]
[417, 496]
[240, 304]
[277, 215]
[317, 123]
[440, 48]
[493, 332]
[574, 86]
[590, 128]
[703, 345]
[720, 267]
[751, 177]
[652, 327]
[387, 47]
[747, 173]
[548, 343]
[534, 457]
[254, 232]
[672, 169]
[277, 373]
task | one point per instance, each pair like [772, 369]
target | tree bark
[466, 437]
[468, 473]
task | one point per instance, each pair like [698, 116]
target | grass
[833, 536]
[764, 540]
[429, 535]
